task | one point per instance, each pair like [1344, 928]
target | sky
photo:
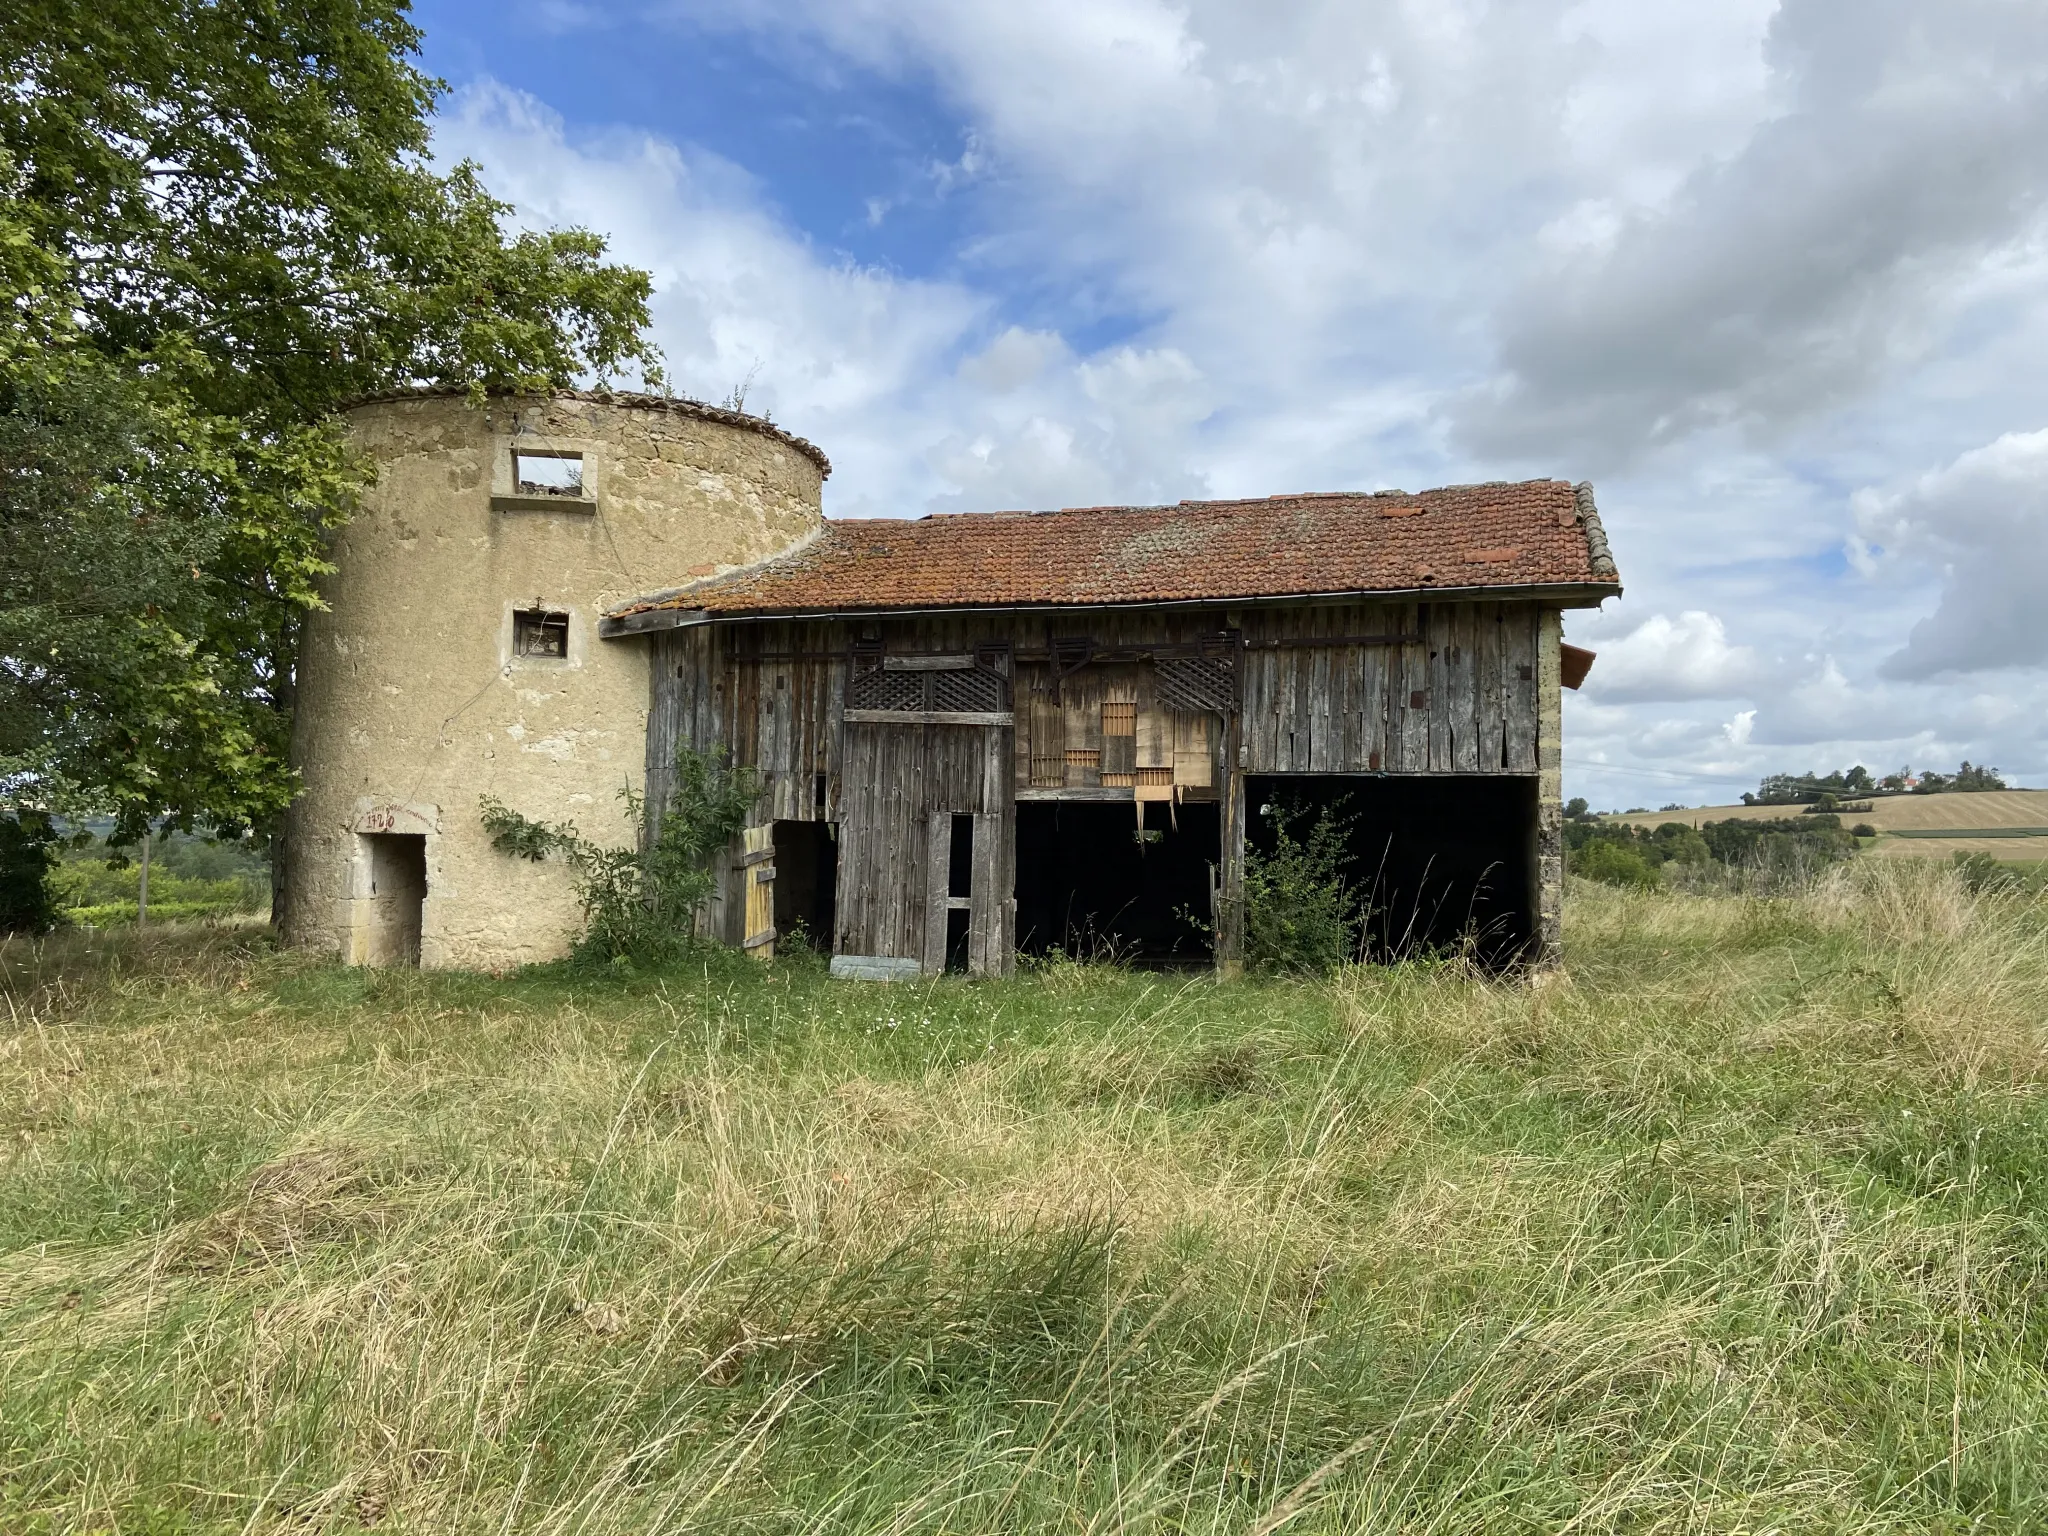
[1774, 276]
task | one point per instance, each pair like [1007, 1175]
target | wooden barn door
[902, 787]
[757, 871]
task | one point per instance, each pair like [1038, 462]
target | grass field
[1742, 1227]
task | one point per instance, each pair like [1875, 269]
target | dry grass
[1736, 1227]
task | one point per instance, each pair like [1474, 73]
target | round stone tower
[459, 657]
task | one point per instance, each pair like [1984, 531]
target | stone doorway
[391, 912]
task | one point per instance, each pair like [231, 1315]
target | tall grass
[1740, 1226]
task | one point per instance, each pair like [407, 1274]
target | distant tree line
[1621, 854]
[1847, 783]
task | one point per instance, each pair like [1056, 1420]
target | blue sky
[1773, 275]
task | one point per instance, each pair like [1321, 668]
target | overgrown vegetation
[1301, 916]
[189, 877]
[1742, 1228]
[640, 903]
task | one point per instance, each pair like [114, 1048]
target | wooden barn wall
[768, 694]
[1442, 688]
[1436, 688]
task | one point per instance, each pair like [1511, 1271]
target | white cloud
[1780, 281]
[1663, 659]
[1983, 522]
[897, 379]
[1732, 260]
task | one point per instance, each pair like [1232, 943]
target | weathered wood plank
[927, 717]
[1321, 755]
[1518, 671]
[986, 896]
[938, 863]
[1373, 665]
[1462, 683]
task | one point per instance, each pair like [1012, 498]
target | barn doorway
[806, 882]
[1091, 886]
[1445, 862]
[397, 899]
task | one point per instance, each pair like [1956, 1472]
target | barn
[981, 735]
[977, 736]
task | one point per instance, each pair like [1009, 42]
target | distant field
[1999, 809]
[1739, 1226]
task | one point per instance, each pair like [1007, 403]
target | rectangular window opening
[960, 860]
[540, 632]
[548, 474]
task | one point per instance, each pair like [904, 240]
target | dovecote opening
[540, 634]
[547, 473]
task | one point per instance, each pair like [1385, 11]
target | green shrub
[1789, 846]
[114, 914]
[640, 903]
[99, 886]
[27, 855]
[1301, 916]
[1612, 863]
[1674, 842]
[1984, 874]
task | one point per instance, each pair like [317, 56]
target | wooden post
[142, 885]
[1230, 898]
[938, 869]
[1549, 794]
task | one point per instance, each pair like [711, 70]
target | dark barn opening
[1441, 860]
[806, 882]
[1088, 885]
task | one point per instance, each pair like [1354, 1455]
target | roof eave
[1580, 594]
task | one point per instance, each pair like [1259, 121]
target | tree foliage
[1788, 847]
[28, 852]
[1848, 783]
[219, 222]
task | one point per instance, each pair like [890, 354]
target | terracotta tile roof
[1537, 533]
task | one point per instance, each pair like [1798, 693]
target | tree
[218, 224]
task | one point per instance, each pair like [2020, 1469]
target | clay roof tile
[1536, 533]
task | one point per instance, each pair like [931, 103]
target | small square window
[537, 632]
[548, 474]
